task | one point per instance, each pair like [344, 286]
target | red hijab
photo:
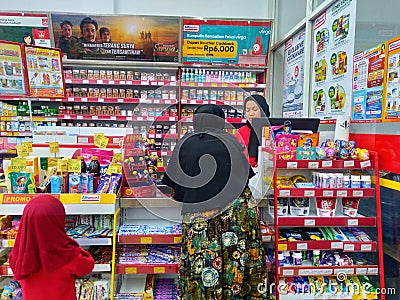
[41, 243]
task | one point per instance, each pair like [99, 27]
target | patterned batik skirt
[223, 257]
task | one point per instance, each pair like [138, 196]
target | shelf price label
[74, 166]
[348, 247]
[18, 164]
[309, 222]
[28, 146]
[367, 247]
[342, 193]
[177, 239]
[117, 157]
[313, 165]
[358, 193]
[10, 243]
[348, 163]
[365, 164]
[337, 245]
[114, 168]
[284, 193]
[361, 271]
[288, 272]
[327, 193]
[372, 271]
[282, 247]
[54, 147]
[327, 164]
[309, 193]
[291, 165]
[159, 270]
[131, 270]
[302, 246]
[348, 271]
[146, 240]
[352, 222]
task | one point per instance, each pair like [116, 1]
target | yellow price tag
[22, 151]
[114, 168]
[282, 247]
[131, 270]
[97, 137]
[10, 243]
[54, 147]
[177, 239]
[28, 146]
[146, 240]
[18, 164]
[103, 142]
[159, 270]
[74, 166]
[62, 165]
[117, 157]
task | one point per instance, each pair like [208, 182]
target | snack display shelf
[120, 100]
[228, 120]
[75, 204]
[346, 246]
[27, 118]
[150, 239]
[162, 136]
[8, 151]
[314, 221]
[325, 164]
[217, 102]
[82, 241]
[307, 269]
[15, 133]
[120, 82]
[326, 193]
[6, 270]
[81, 145]
[224, 84]
[116, 118]
[146, 268]
[161, 153]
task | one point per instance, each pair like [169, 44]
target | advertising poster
[293, 77]
[45, 72]
[12, 79]
[333, 49]
[25, 28]
[225, 42]
[392, 104]
[133, 38]
[368, 84]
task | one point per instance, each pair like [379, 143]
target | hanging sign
[392, 93]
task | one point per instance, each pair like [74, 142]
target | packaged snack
[299, 206]
[19, 182]
[282, 205]
[74, 183]
[114, 183]
[350, 206]
[326, 207]
[103, 184]
[56, 184]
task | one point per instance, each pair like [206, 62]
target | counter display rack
[292, 231]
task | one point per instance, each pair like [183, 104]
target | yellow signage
[74, 166]
[54, 147]
[18, 164]
[28, 146]
[22, 151]
[210, 48]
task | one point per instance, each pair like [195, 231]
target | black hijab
[207, 169]
[253, 140]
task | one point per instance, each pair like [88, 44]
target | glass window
[277, 83]
[289, 13]
[316, 3]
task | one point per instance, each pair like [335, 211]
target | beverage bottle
[94, 168]
[83, 164]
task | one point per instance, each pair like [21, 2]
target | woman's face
[252, 110]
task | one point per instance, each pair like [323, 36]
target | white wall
[258, 9]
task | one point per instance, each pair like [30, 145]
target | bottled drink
[94, 168]
[83, 164]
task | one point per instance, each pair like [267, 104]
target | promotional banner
[392, 104]
[334, 34]
[12, 78]
[133, 38]
[368, 84]
[293, 77]
[226, 42]
[45, 73]
[25, 28]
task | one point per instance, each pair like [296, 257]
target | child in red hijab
[44, 259]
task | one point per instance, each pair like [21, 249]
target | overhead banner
[334, 34]
[12, 75]
[293, 77]
[45, 72]
[368, 84]
[225, 42]
[25, 28]
[133, 38]
[392, 104]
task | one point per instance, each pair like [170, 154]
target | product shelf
[325, 164]
[217, 102]
[82, 241]
[120, 82]
[307, 269]
[223, 84]
[7, 271]
[15, 133]
[75, 204]
[346, 246]
[120, 100]
[326, 193]
[116, 118]
[162, 136]
[146, 268]
[161, 153]
[150, 239]
[315, 221]
[228, 120]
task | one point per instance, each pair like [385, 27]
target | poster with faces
[333, 48]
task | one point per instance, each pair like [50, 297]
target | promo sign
[293, 77]
[392, 104]
[133, 38]
[334, 34]
[226, 42]
[25, 28]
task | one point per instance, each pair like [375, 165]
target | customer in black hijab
[222, 255]
[255, 106]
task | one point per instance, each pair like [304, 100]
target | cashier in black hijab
[208, 169]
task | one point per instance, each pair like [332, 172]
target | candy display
[164, 289]
[88, 289]
[128, 229]
[149, 254]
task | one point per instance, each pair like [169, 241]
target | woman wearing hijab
[222, 256]
[255, 106]
[44, 259]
